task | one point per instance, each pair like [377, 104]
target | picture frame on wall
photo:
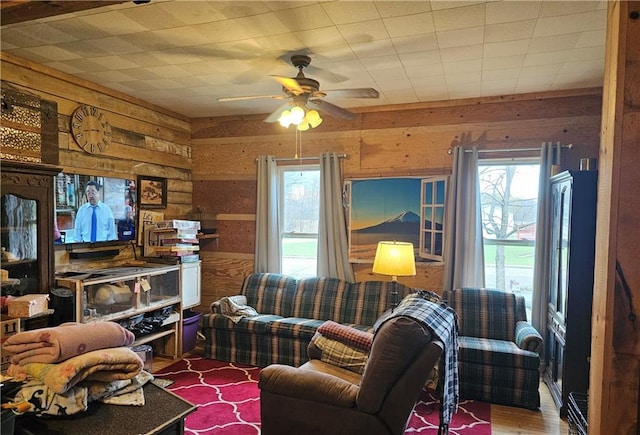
[152, 192]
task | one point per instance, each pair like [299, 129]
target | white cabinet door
[190, 282]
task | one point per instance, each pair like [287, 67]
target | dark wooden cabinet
[26, 230]
[568, 335]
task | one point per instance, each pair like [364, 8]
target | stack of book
[176, 239]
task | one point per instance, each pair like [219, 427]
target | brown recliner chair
[319, 398]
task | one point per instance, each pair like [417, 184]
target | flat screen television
[115, 206]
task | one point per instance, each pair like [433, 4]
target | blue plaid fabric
[442, 322]
[290, 312]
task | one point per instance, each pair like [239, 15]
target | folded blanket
[346, 335]
[52, 345]
[43, 401]
[234, 307]
[99, 365]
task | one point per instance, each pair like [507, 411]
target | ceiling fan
[303, 90]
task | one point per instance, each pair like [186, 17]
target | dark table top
[162, 409]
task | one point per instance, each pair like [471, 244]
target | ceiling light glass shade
[285, 119]
[297, 115]
[395, 259]
[304, 125]
[313, 118]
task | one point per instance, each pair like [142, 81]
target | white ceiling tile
[500, 74]
[104, 77]
[499, 87]
[61, 66]
[465, 90]
[425, 72]
[568, 24]
[389, 9]
[553, 43]
[114, 45]
[409, 25]
[36, 34]
[415, 43]
[168, 71]
[115, 22]
[591, 39]
[73, 26]
[502, 62]
[459, 18]
[422, 58]
[558, 8]
[381, 47]
[381, 63]
[508, 48]
[551, 57]
[114, 62]
[53, 53]
[438, 5]
[304, 18]
[261, 25]
[363, 32]
[587, 53]
[195, 12]
[512, 11]
[457, 54]
[509, 31]
[388, 75]
[153, 18]
[582, 68]
[457, 38]
[351, 12]
[221, 31]
[458, 72]
[548, 71]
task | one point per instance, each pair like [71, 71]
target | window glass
[509, 202]
[300, 205]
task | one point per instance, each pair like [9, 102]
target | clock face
[91, 129]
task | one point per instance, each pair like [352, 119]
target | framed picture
[152, 192]
[407, 209]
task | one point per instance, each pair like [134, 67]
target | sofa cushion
[485, 313]
[257, 324]
[347, 335]
[294, 327]
[319, 298]
[497, 353]
[270, 293]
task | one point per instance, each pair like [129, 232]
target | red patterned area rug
[228, 401]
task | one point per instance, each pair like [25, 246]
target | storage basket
[577, 414]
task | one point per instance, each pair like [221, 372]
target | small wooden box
[8, 327]
[28, 305]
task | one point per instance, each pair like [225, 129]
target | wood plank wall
[147, 140]
[614, 393]
[387, 141]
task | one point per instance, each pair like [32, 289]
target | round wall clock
[91, 129]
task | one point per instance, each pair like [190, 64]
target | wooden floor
[505, 420]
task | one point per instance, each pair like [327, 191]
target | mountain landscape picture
[383, 209]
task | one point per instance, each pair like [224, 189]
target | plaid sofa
[498, 357]
[290, 311]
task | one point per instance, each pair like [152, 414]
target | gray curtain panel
[540, 297]
[267, 251]
[333, 243]
[463, 245]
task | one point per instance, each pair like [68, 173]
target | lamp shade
[395, 259]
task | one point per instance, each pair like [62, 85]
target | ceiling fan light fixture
[285, 119]
[303, 126]
[313, 118]
[297, 115]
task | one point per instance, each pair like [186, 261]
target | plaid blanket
[442, 321]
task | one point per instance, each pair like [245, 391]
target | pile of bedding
[66, 367]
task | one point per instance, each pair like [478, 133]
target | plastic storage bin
[190, 323]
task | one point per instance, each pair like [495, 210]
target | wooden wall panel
[147, 140]
[402, 140]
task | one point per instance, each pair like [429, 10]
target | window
[300, 211]
[432, 217]
[509, 202]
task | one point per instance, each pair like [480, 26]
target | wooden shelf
[207, 236]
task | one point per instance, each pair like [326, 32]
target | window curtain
[463, 245]
[540, 297]
[267, 250]
[333, 246]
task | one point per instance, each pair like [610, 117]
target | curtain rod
[507, 150]
[295, 159]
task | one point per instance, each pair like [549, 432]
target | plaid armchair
[498, 357]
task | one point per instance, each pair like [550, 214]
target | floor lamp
[395, 259]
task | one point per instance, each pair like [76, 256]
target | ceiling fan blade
[290, 84]
[252, 97]
[354, 93]
[333, 110]
[273, 117]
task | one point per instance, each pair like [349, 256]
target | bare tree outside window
[509, 198]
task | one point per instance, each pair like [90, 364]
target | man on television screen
[94, 220]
